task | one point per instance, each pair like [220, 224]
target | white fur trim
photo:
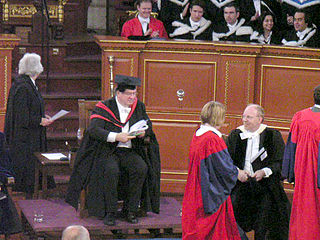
[221, 4]
[182, 4]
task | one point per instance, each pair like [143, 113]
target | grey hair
[259, 109]
[30, 64]
[75, 232]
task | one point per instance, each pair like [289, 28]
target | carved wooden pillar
[7, 44]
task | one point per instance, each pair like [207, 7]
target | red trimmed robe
[301, 165]
[207, 211]
[133, 27]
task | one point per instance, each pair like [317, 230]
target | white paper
[53, 156]
[59, 114]
[138, 126]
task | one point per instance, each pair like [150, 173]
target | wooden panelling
[281, 79]
[7, 43]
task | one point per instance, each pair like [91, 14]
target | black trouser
[126, 162]
[255, 209]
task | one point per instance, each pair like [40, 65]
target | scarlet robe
[133, 27]
[207, 211]
[301, 164]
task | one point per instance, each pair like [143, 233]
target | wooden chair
[85, 110]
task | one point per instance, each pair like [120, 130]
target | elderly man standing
[260, 204]
[301, 165]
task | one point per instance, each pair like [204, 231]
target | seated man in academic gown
[260, 203]
[196, 27]
[232, 29]
[304, 34]
[111, 151]
[144, 26]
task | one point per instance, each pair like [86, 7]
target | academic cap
[127, 80]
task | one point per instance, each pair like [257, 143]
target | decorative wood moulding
[113, 43]
[8, 41]
[12, 10]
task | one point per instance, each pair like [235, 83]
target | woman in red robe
[301, 165]
[207, 211]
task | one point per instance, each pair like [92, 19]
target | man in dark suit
[25, 124]
[232, 29]
[304, 34]
[111, 151]
[196, 27]
[260, 204]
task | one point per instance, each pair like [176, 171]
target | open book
[139, 126]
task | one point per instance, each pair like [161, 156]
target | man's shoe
[110, 219]
[132, 218]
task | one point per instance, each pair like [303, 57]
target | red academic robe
[301, 165]
[133, 27]
[207, 211]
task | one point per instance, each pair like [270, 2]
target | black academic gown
[313, 42]
[206, 34]
[24, 134]
[169, 12]
[87, 171]
[244, 36]
[275, 212]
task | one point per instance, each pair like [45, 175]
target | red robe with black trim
[301, 165]
[133, 27]
[207, 211]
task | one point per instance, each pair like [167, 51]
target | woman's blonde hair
[213, 113]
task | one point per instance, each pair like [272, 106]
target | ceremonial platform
[57, 215]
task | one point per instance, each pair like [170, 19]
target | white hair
[30, 64]
[75, 232]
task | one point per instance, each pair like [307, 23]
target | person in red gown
[207, 211]
[144, 24]
[301, 165]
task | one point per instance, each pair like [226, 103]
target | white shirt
[253, 149]
[232, 26]
[194, 25]
[34, 82]
[144, 23]
[124, 112]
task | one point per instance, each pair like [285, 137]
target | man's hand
[46, 121]
[289, 19]
[124, 137]
[258, 175]
[148, 32]
[255, 17]
[154, 34]
[242, 176]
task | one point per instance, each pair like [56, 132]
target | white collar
[246, 134]
[232, 26]
[144, 20]
[193, 23]
[206, 128]
[33, 81]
